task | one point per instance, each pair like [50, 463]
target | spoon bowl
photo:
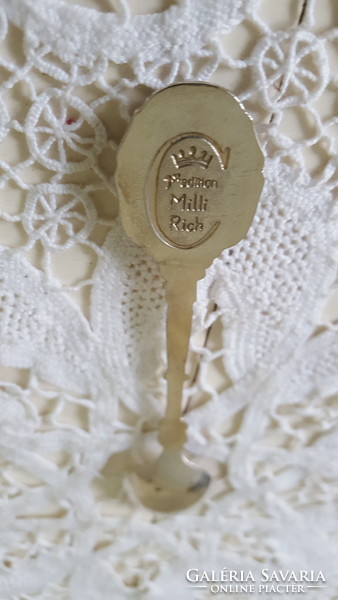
[170, 483]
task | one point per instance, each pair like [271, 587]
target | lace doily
[83, 356]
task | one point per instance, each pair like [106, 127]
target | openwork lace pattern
[83, 356]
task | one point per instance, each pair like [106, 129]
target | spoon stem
[180, 292]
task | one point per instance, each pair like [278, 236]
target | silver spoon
[189, 176]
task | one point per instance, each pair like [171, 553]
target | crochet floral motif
[57, 224]
[49, 118]
[292, 68]
[82, 391]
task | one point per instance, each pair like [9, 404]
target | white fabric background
[82, 309]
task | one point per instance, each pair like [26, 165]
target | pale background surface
[264, 478]
[78, 261]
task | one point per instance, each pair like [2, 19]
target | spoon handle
[180, 293]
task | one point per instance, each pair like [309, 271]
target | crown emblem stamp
[192, 157]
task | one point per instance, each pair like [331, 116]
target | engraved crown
[201, 159]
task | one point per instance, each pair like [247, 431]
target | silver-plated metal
[189, 176]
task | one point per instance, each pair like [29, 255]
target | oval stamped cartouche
[190, 185]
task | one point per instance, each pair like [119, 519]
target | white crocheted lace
[87, 389]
